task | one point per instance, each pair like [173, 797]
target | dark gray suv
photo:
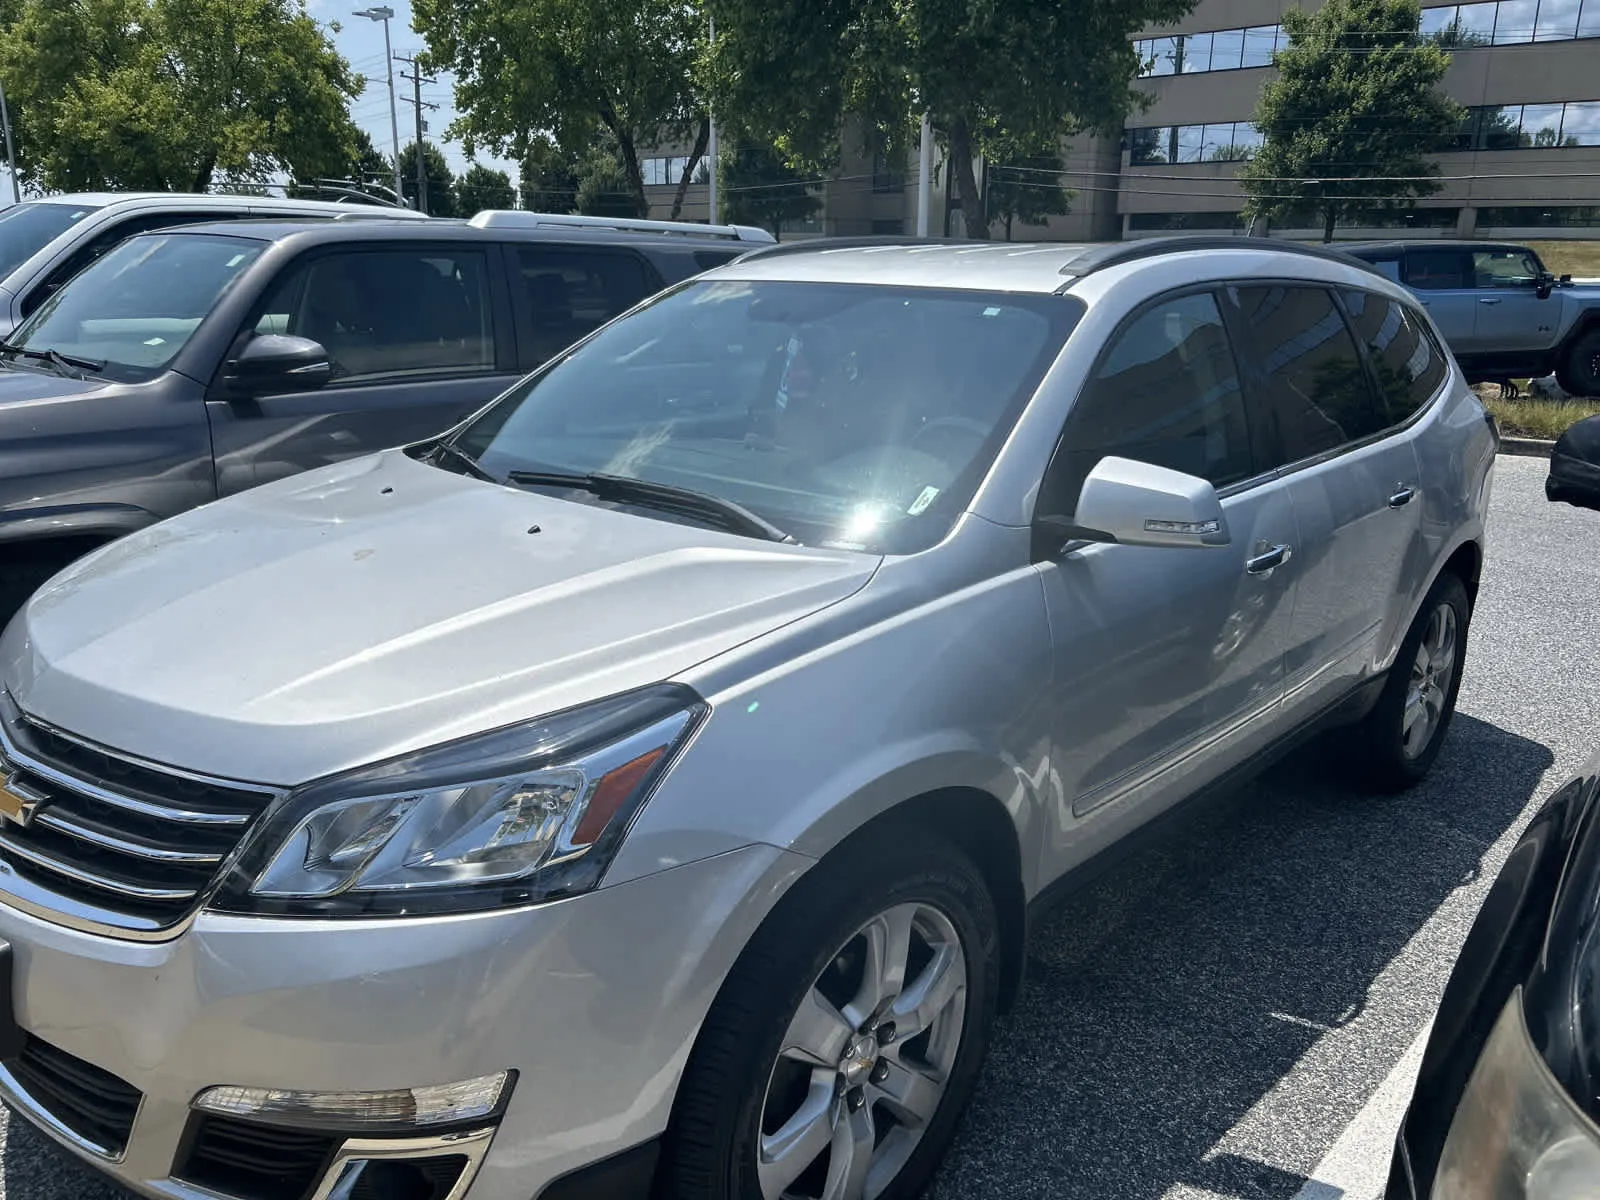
[188, 364]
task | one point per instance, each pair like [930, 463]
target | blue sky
[361, 41]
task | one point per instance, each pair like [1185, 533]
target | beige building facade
[1526, 164]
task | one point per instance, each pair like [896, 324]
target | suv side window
[1409, 366]
[1166, 392]
[394, 311]
[114, 235]
[1317, 389]
[1438, 270]
[572, 292]
[1504, 268]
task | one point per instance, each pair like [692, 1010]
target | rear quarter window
[1408, 362]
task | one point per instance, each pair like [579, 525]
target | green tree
[603, 186]
[573, 68]
[987, 71]
[441, 193]
[549, 178]
[1353, 115]
[1025, 183]
[170, 95]
[483, 187]
[760, 188]
[369, 164]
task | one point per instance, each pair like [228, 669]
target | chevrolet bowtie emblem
[17, 800]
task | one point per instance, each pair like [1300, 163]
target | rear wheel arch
[1584, 335]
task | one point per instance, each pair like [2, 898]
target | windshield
[25, 229]
[136, 307]
[848, 415]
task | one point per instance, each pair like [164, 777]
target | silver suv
[642, 788]
[1502, 313]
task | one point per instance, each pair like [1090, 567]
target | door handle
[1402, 498]
[1488, 299]
[1268, 561]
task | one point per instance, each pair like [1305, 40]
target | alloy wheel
[866, 1060]
[1432, 672]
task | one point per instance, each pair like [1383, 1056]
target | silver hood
[363, 610]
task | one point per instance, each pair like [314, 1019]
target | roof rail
[516, 219]
[1114, 254]
[817, 245]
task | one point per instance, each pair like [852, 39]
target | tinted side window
[1504, 268]
[1166, 392]
[573, 292]
[1316, 382]
[388, 312]
[1437, 270]
[1409, 366]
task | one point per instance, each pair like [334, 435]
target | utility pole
[925, 175]
[385, 15]
[416, 92]
[11, 154]
[712, 147]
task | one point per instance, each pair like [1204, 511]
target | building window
[1157, 222]
[889, 226]
[885, 179]
[1525, 126]
[1491, 23]
[1218, 50]
[663, 172]
[1539, 217]
[1226, 141]
[1511, 22]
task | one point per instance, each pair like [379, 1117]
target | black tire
[1384, 760]
[19, 579]
[1578, 372]
[712, 1147]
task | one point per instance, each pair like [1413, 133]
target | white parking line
[1357, 1165]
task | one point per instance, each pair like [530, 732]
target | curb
[1526, 447]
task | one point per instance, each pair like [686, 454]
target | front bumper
[594, 1001]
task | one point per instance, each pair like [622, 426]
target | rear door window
[1316, 381]
[569, 293]
[1409, 365]
[1438, 270]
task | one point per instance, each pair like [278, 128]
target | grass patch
[1579, 259]
[1547, 419]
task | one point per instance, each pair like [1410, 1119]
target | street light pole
[712, 147]
[11, 154]
[385, 15]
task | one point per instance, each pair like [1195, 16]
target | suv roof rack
[863, 242]
[1114, 254]
[517, 219]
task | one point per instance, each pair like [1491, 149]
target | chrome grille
[127, 845]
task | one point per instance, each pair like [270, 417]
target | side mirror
[1137, 504]
[1575, 466]
[276, 362]
[1544, 285]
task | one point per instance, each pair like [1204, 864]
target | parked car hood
[22, 383]
[367, 609]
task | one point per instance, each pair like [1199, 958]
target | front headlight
[1517, 1134]
[527, 813]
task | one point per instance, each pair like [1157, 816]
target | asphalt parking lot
[1217, 1014]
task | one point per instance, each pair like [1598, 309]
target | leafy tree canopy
[171, 95]
[603, 186]
[760, 188]
[440, 200]
[549, 178]
[987, 70]
[571, 69]
[483, 187]
[1025, 184]
[1353, 115]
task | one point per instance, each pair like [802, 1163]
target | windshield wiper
[459, 456]
[61, 362]
[735, 518]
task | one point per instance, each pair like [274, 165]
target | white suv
[641, 789]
